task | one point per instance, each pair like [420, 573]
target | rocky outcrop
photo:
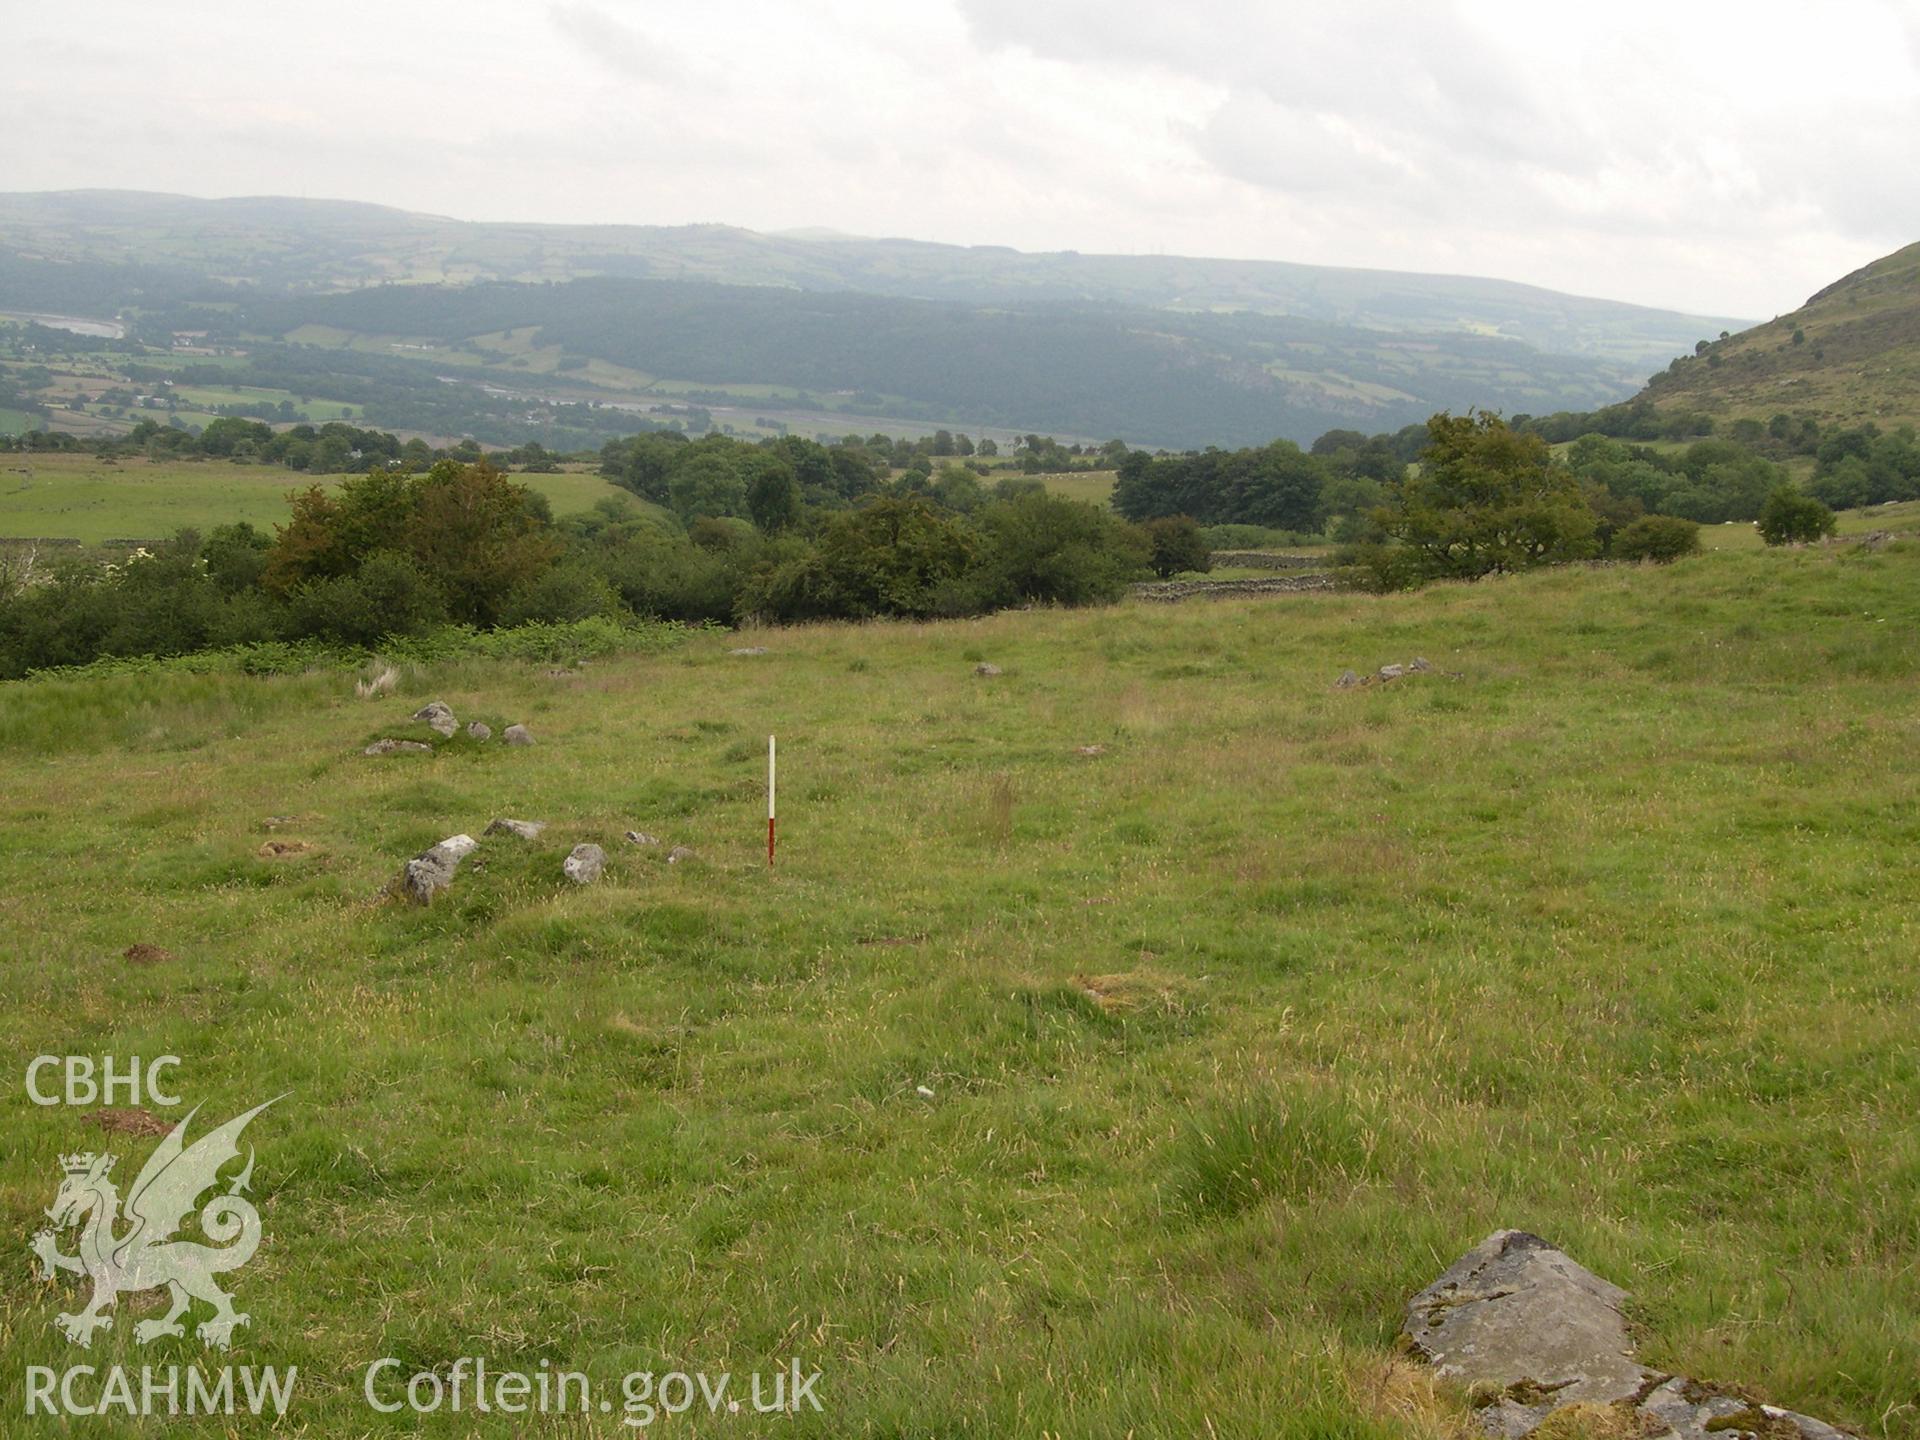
[1527, 1331]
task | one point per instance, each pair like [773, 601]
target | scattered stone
[1877, 539]
[584, 865]
[1420, 662]
[923, 1091]
[1529, 1332]
[282, 849]
[640, 837]
[479, 730]
[398, 747]
[517, 735]
[749, 650]
[1089, 749]
[520, 829]
[432, 870]
[130, 1121]
[679, 853]
[985, 669]
[141, 953]
[439, 719]
[1347, 680]
[1392, 672]
[274, 822]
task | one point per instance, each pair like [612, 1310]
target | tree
[1791, 517]
[773, 498]
[1485, 500]
[474, 533]
[1175, 545]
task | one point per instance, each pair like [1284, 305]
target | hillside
[1850, 355]
[363, 306]
[282, 243]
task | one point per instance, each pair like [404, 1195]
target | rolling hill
[1850, 355]
[827, 333]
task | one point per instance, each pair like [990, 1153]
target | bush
[571, 590]
[388, 596]
[1659, 538]
[1175, 544]
[1790, 516]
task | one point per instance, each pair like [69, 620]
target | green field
[1036, 1092]
[76, 497]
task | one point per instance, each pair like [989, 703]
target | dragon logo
[147, 1255]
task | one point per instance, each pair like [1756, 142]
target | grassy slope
[1236, 1033]
[76, 497]
[1860, 359]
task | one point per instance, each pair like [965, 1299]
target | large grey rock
[584, 865]
[1528, 1331]
[520, 829]
[433, 869]
[1517, 1315]
[439, 719]
[398, 747]
[517, 735]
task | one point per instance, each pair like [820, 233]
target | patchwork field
[1038, 1091]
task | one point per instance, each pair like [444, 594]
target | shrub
[1656, 537]
[1790, 516]
[571, 590]
[1175, 544]
[388, 596]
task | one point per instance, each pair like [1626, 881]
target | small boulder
[398, 747]
[1392, 672]
[679, 853]
[517, 735]
[985, 669]
[432, 870]
[1347, 680]
[749, 650]
[479, 730]
[640, 837]
[439, 719]
[519, 829]
[1420, 662]
[584, 865]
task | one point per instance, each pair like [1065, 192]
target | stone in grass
[439, 719]
[1347, 680]
[679, 853]
[398, 747]
[517, 735]
[1529, 1332]
[983, 668]
[432, 870]
[1420, 662]
[1392, 672]
[640, 837]
[749, 650]
[519, 829]
[479, 730]
[584, 865]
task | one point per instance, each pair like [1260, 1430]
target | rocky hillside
[1850, 355]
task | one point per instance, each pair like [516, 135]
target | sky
[1715, 157]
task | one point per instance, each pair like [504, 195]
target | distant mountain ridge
[299, 244]
[1850, 355]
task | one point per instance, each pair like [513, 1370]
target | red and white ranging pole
[769, 802]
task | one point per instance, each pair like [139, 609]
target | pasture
[77, 497]
[1043, 1088]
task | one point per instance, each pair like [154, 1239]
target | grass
[1741, 535]
[76, 497]
[1095, 486]
[1036, 1092]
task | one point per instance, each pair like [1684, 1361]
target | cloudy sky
[1718, 157]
